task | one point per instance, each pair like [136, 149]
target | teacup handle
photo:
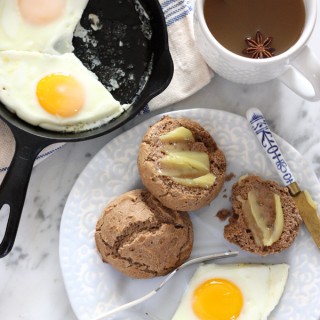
[303, 77]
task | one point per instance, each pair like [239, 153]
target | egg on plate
[56, 92]
[230, 292]
[39, 25]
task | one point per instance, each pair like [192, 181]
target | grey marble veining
[31, 284]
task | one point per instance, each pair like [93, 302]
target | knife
[307, 207]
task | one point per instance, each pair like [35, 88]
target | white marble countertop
[31, 284]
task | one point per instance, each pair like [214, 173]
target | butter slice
[197, 160]
[205, 181]
[270, 234]
[177, 135]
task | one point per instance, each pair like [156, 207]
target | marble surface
[31, 284]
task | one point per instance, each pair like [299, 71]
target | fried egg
[39, 25]
[56, 92]
[230, 292]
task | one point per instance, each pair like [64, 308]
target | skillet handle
[14, 186]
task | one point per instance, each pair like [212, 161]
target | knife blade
[302, 198]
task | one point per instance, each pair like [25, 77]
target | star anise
[259, 47]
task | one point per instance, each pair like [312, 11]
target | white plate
[94, 287]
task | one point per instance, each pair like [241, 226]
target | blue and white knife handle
[264, 135]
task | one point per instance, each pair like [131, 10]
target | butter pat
[310, 200]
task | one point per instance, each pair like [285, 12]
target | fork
[128, 305]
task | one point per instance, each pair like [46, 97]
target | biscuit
[237, 230]
[170, 193]
[141, 238]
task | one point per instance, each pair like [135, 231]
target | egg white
[20, 73]
[261, 287]
[18, 34]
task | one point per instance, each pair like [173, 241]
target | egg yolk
[60, 95]
[41, 12]
[217, 299]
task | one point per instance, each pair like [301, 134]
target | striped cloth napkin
[190, 73]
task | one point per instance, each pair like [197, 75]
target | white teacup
[297, 67]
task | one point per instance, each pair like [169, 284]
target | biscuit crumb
[223, 214]
[230, 176]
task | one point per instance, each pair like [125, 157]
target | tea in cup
[252, 41]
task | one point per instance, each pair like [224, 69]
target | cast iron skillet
[133, 50]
